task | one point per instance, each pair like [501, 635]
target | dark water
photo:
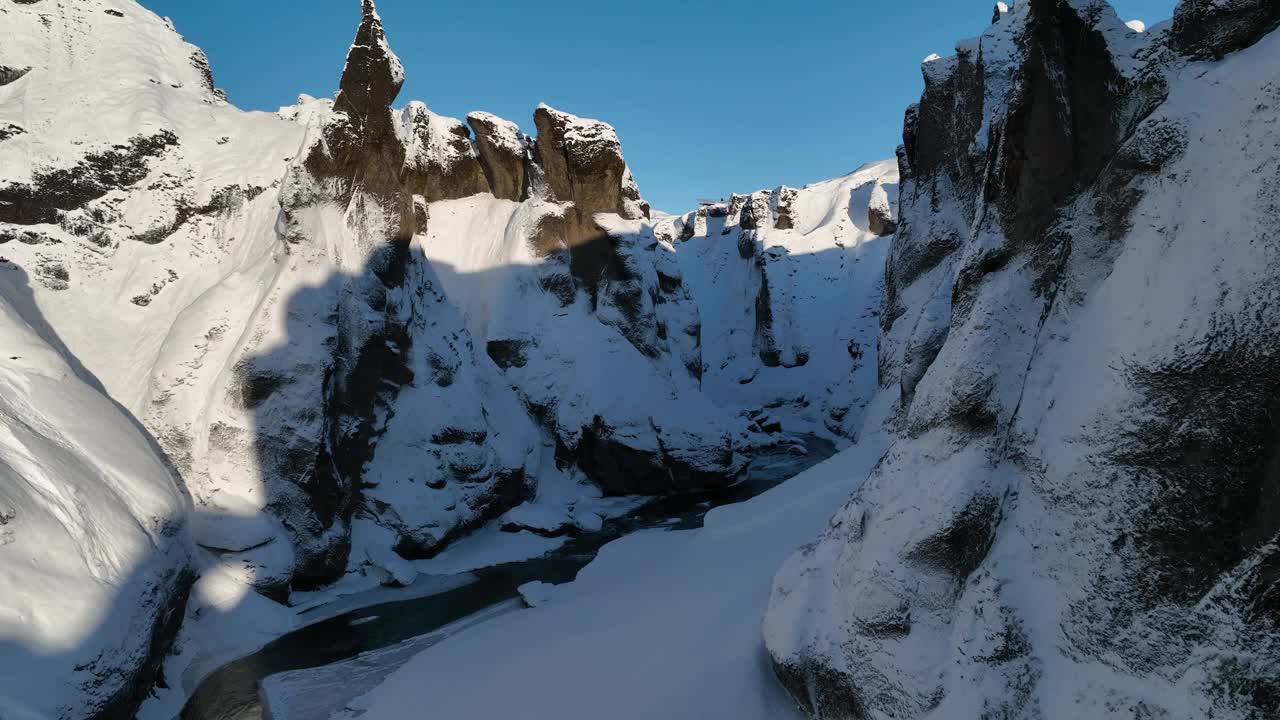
[231, 692]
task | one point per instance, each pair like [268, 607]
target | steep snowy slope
[95, 556]
[1078, 517]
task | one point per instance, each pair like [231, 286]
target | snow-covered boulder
[1078, 516]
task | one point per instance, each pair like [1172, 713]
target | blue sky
[709, 97]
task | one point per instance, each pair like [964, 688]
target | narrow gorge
[257, 365]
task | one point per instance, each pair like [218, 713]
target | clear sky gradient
[709, 97]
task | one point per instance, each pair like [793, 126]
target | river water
[233, 692]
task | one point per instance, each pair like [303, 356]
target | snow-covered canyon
[251, 362]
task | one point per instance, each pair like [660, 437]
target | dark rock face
[361, 147]
[582, 164]
[881, 221]
[440, 161]
[507, 354]
[1064, 124]
[11, 74]
[1213, 28]
[504, 491]
[356, 163]
[372, 78]
[56, 191]
[504, 155]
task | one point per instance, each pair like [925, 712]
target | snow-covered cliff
[1078, 515]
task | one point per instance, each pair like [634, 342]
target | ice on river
[326, 692]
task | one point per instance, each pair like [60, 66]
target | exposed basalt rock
[582, 164]
[765, 343]
[223, 201]
[820, 692]
[961, 545]
[52, 192]
[1207, 442]
[371, 79]
[755, 212]
[880, 220]
[440, 161]
[948, 116]
[1064, 122]
[11, 74]
[1213, 28]
[504, 154]
[361, 147]
[507, 354]
[784, 209]
[9, 130]
[200, 62]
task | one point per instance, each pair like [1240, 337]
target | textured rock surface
[1054, 328]
[440, 161]
[582, 164]
[1213, 28]
[504, 153]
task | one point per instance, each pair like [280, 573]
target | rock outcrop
[505, 154]
[1213, 28]
[1059, 299]
[441, 163]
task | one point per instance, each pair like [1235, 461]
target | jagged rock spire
[373, 75]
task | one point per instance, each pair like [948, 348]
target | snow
[94, 546]
[506, 134]
[537, 594]
[661, 624]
